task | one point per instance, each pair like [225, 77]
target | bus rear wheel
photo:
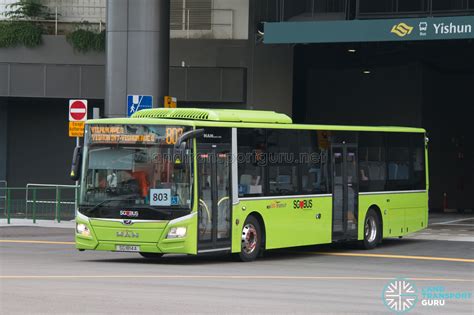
[372, 230]
[151, 255]
[251, 239]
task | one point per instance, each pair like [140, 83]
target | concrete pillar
[137, 52]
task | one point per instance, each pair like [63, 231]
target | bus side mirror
[180, 146]
[188, 135]
[76, 164]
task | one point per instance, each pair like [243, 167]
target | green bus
[194, 181]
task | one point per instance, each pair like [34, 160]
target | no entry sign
[77, 110]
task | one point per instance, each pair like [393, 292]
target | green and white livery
[193, 181]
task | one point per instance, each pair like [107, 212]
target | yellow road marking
[36, 242]
[395, 256]
[230, 277]
[389, 256]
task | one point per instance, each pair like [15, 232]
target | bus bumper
[140, 236]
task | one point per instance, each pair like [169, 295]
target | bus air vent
[225, 115]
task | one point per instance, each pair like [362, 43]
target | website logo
[400, 295]
[402, 29]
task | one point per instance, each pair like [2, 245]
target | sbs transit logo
[402, 29]
[400, 295]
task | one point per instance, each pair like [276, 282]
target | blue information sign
[138, 102]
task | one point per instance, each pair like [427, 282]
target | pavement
[39, 223]
[41, 272]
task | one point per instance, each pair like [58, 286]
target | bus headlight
[82, 229]
[177, 232]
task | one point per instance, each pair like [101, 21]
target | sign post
[77, 120]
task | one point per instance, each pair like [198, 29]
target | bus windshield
[135, 165]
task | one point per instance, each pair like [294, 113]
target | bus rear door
[345, 191]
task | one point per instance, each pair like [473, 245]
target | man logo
[130, 234]
[402, 29]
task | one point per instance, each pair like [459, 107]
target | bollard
[59, 205]
[8, 205]
[34, 206]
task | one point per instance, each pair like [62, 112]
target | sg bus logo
[303, 204]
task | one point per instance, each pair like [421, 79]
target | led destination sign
[119, 134]
[129, 134]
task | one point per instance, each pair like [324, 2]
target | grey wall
[53, 69]
[209, 71]
[53, 50]
[221, 73]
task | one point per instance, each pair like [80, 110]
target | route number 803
[160, 197]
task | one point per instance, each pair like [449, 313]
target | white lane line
[453, 221]
[458, 224]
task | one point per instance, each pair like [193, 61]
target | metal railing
[38, 201]
[184, 23]
[64, 17]
[196, 23]
[3, 196]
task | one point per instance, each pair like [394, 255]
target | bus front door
[214, 191]
[345, 191]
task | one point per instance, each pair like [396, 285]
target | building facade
[354, 62]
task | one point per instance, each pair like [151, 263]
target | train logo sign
[402, 29]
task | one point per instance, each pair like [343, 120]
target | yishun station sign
[431, 28]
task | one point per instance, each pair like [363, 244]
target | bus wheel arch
[260, 220]
[379, 214]
[252, 237]
[372, 228]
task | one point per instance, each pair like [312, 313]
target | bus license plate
[127, 248]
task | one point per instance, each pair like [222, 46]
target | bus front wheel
[372, 230]
[251, 239]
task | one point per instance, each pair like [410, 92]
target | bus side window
[313, 162]
[372, 162]
[251, 161]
